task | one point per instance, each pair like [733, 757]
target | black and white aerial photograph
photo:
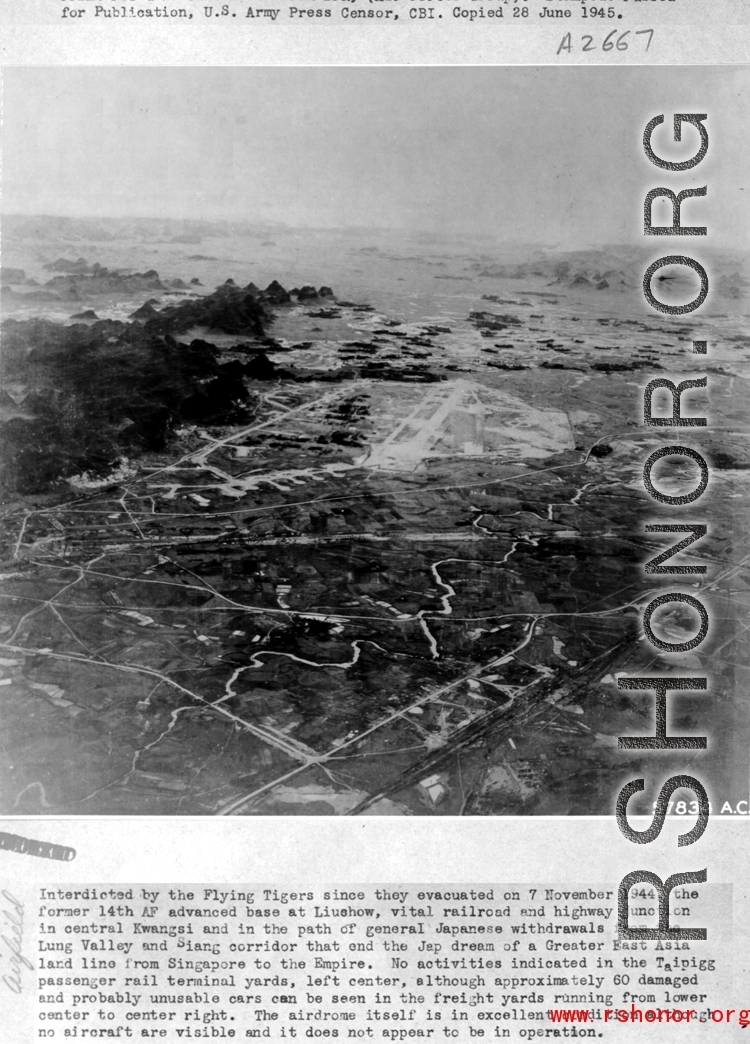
[323, 439]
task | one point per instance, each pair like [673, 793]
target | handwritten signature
[12, 941]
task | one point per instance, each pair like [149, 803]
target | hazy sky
[537, 154]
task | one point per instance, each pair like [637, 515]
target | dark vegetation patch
[488, 323]
[107, 389]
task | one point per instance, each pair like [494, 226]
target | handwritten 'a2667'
[613, 41]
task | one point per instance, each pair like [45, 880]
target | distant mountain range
[45, 227]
